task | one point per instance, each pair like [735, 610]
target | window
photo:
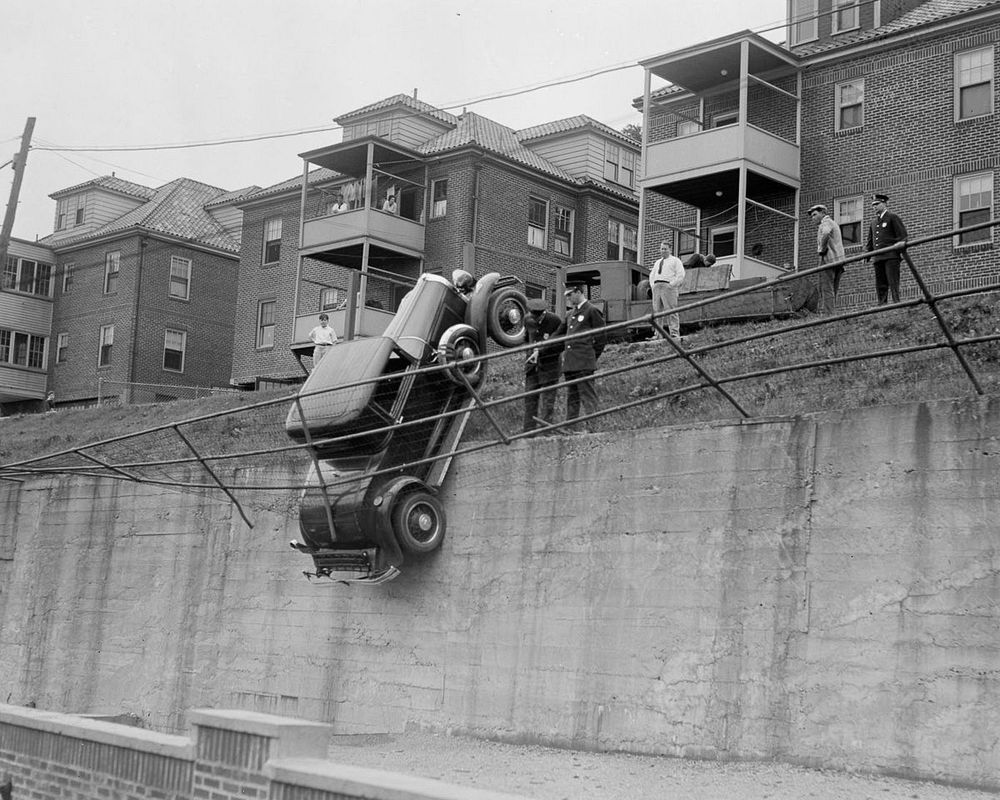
[722, 241]
[804, 20]
[687, 127]
[619, 164]
[623, 241]
[974, 204]
[23, 349]
[112, 262]
[974, 83]
[538, 216]
[687, 243]
[724, 118]
[850, 104]
[107, 342]
[265, 323]
[180, 277]
[174, 345]
[562, 231]
[849, 214]
[272, 240]
[10, 273]
[533, 291]
[68, 276]
[845, 15]
[79, 216]
[30, 277]
[60, 220]
[439, 198]
[329, 298]
[62, 345]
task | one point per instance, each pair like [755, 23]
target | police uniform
[542, 370]
[885, 230]
[580, 357]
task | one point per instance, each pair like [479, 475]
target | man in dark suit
[541, 368]
[580, 355]
[885, 230]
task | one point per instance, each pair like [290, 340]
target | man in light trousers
[665, 279]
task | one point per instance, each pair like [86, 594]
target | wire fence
[120, 393]
[404, 420]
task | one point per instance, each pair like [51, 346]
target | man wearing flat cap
[830, 246]
[580, 355]
[885, 230]
[541, 368]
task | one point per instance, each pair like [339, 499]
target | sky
[145, 74]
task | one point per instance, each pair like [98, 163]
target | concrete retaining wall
[821, 590]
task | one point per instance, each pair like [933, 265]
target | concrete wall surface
[820, 590]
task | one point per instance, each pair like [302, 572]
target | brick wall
[232, 755]
[910, 147]
[206, 317]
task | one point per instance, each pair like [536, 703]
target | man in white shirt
[323, 338]
[665, 279]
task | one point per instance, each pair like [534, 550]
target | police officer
[885, 230]
[580, 355]
[541, 368]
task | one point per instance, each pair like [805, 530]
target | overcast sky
[113, 73]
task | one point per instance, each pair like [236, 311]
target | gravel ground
[543, 773]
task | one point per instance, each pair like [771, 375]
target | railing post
[100, 391]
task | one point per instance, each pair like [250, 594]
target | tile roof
[925, 14]
[236, 194]
[175, 209]
[110, 183]
[473, 129]
[579, 122]
[403, 100]
[317, 175]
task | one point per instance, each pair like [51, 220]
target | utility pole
[19, 161]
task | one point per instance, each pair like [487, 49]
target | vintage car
[381, 426]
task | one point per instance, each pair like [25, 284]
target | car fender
[475, 313]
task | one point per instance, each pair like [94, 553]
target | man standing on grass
[323, 338]
[580, 355]
[886, 229]
[665, 279]
[830, 246]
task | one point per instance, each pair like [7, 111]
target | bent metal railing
[659, 375]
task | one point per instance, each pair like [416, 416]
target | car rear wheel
[505, 317]
[419, 523]
[458, 345]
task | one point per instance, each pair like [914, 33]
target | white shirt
[323, 335]
[669, 269]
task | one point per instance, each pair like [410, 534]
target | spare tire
[505, 315]
[458, 344]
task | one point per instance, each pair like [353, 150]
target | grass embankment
[927, 375]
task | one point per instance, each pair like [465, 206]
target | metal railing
[739, 373]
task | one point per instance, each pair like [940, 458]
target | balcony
[367, 196]
[335, 231]
[721, 149]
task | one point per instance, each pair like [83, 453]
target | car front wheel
[419, 523]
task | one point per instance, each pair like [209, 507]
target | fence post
[100, 391]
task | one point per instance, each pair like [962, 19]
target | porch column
[741, 213]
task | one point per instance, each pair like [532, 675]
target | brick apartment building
[894, 96]
[143, 290]
[468, 192]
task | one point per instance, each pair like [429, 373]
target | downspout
[474, 228]
[143, 242]
[641, 244]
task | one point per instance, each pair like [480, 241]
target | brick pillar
[231, 748]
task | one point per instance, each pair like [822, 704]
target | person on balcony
[323, 338]
[830, 246]
[340, 205]
[665, 279]
[390, 206]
